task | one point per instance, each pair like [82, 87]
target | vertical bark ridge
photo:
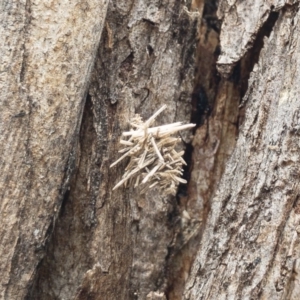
[249, 248]
[43, 46]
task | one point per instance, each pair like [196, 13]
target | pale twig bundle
[153, 158]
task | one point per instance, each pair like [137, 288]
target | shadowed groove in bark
[263, 252]
[202, 101]
[209, 87]
[200, 111]
[251, 57]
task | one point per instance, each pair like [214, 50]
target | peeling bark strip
[250, 247]
[47, 51]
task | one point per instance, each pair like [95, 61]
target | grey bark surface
[241, 22]
[215, 108]
[115, 244]
[250, 244]
[47, 52]
[66, 97]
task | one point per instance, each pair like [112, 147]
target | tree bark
[250, 245]
[73, 75]
[115, 244]
[47, 52]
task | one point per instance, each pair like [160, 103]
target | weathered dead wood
[250, 246]
[47, 51]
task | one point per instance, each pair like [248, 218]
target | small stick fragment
[142, 159]
[180, 179]
[153, 158]
[123, 142]
[148, 162]
[151, 173]
[161, 130]
[153, 184]
[156, 150]
[123, 156]
[124, 150]
[137, 181]
[152, 118]
[177, 155]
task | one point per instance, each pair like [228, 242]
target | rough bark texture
[215, 109]
[47, 52]
[241, 22]
[65, 234]
[250, 245]
[115, 244]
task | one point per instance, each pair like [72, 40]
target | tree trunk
[119, 239]
[67, 95]
[250, 244]
[47, 52]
